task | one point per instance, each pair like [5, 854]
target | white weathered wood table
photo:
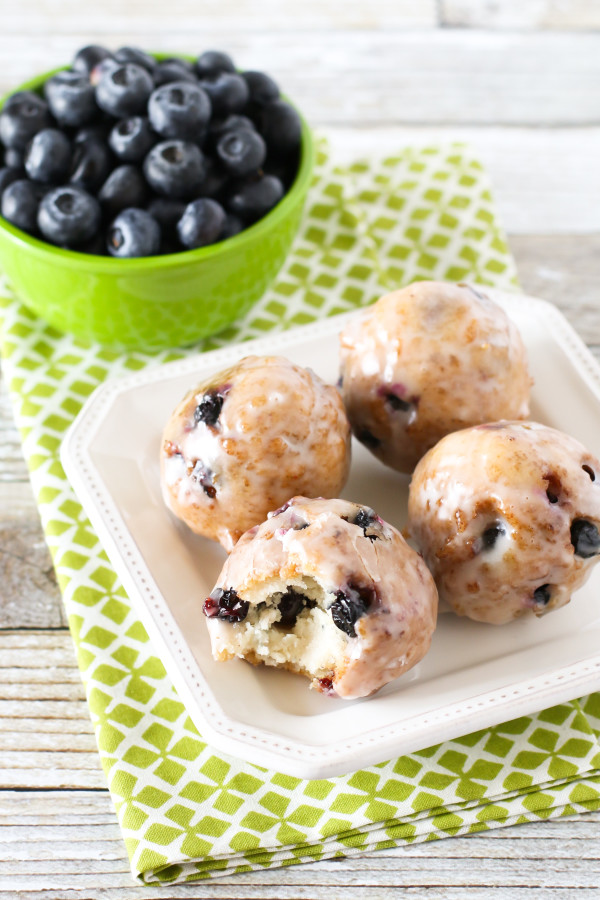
[520, 79]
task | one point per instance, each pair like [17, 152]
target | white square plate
[474, 675]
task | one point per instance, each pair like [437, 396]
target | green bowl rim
[75, 259]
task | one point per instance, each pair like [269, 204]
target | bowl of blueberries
[148, 201]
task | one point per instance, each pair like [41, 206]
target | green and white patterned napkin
[187, 811]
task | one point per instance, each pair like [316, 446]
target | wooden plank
[71, 16]
[575, 14]
[383, 76]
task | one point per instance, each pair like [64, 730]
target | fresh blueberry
[95, 247]
[541, 595]
[20, 202]
[291, 605]
[137, 57]
[209, 408]
[233, 225]
[241, 152]
[48, 156]
[91, 164]
[167, 213]
[211, 62]
[349, 605]
[181, 61]
[173, 70]
[99, 131]
[180, 110]
[71, 98]
[262, 88]
[281, 127]
[102, 68]
[225, 605]
[254, 198]
[88, 58]
[584, 536]
[7, 176]
[133, 233]
[203, 476]
[69, 216]
[14, 159]
[175, 169]
[491, 535]
[201, 223]
[131, 139]
[124, 90]
[215, 179]
[124, 187]
[23, 115]
[219, 127]
[285, 168]
[228, 92]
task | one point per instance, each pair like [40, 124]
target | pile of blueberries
[131, 156]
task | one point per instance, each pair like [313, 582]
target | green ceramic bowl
[155, 302]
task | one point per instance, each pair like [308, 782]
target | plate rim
[259, 745]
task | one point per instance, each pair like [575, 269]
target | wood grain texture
[530, 14]
[384, 76]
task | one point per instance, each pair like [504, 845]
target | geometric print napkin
[186, 810]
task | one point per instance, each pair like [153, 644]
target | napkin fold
[186, 810]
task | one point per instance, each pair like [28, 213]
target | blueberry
[23, 115]
[133, 233]
[254, 198]
[124, 90]
[185, 64]
[204, 477]
[131, 139]
[48, 156]
[491, 535]
[20, 202]
[71, 98]
[99, 131]
[233, 225]
[201, 223]
[175, 169]
[88, 58]
[69, 216]
[225, 605]
[215, 178]
[7, 176]
[398, 404]
[261, 86]
[290, 606]
[349, 605]
[102, 68]
[95, 247]
[280, 126]
[209, 408]
[584, 537]
[211, 62]
[173, 70]
[285, 168]
[228, 92]
[14, 159]
[366, 518]
[180, 110]
[167, 213]
[137, 57]
[541, 595]
[124, 187]
[367, 438]
[234, 122]
[241, 152]
[90, 165]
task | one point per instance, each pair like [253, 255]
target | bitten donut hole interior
[289, 625]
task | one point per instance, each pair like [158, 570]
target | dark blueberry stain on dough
[397, 403]
[541, 595]
[365, 518]
[349, 605]
[585, 538]
[367, 438]
[491, 535]
[281, 509]
[226, 605]
[203, 477]
[209, 408]
[326, 686]
[590, 472]
[300, 526]
[553, 487]
[291, 605]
